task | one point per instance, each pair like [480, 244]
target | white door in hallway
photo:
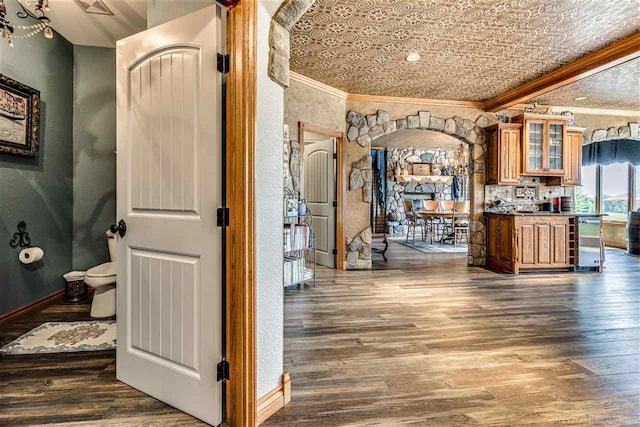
[320, 193]
[169, 100]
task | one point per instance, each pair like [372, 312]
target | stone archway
[364, 129]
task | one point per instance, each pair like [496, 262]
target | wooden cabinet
[544, 144]
[573, 168]
[501, 238]
[528, 242]
[503, 153]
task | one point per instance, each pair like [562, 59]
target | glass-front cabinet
[544, 144]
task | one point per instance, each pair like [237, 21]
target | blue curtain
[615, 151]
[379, 165]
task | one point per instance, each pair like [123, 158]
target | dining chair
[446, 222]
[461, 211]
[432, 221]
[413, 221]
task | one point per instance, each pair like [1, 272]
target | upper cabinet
[503, 153]
[544, 144]
[572, 172]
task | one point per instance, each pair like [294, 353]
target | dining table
[443, 215]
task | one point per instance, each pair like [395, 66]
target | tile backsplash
[506, 194]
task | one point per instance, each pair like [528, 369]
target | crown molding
[416, 101]
[582, 110]
[317, 85]
[447, 102]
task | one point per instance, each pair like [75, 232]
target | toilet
[102, 278]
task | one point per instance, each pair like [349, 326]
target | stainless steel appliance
[590, 247]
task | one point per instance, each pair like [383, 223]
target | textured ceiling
[616, 88]
[471, 50]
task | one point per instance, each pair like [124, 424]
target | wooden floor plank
[425, 340]
[420, 340]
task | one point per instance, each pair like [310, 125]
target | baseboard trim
[37, 305]
[275, 400]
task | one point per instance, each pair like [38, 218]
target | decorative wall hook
[21, 238]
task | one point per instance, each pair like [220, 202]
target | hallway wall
[269, 212]
[94, 160]
[39, 190]
[308, 104]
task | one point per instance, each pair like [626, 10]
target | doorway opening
[319, 190]
[420, 192]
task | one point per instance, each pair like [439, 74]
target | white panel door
[169, 187]
[319, 193]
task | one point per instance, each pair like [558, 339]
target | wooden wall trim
[275, 400]
[318, 85]
[37, 305]
[340, 258]
[416, 101]
[241, 107]
[581, 110]
[615, 54]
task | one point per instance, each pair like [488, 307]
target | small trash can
[75, 289]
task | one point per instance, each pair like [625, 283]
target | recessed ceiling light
[413, 57]
[580, 98]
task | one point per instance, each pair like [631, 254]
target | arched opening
[367, 131]
[419, 165]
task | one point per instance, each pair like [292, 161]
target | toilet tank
[112, 241]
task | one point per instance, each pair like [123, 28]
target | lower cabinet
[519, 243]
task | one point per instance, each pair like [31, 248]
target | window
[585, 201]
[636, 205]
[615, 191]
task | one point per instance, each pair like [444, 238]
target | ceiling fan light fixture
[413, 57]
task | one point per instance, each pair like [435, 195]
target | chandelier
[11, 31]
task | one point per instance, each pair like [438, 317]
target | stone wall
[404, 159]
[363, 129]
[279, 43]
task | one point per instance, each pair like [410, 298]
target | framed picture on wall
[19, 118]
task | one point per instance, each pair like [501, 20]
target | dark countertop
[540, 213]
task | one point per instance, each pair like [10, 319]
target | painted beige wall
[592, 121]
[303, 103]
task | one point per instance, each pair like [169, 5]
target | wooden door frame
[241, 325]
[340, 258]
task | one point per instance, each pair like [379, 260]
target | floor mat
[430, 248]
[62, 337]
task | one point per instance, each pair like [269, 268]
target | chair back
[462, 206]
[408, 209]
[408, 206]
[430, 205]
[446, 206]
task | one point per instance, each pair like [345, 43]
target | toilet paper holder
[21, 237]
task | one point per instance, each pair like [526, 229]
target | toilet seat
[100, 275]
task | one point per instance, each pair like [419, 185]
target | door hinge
[335, 156]
[223, 63]
[335, 204]
[223, 217]
[223, 370]
[335, 252]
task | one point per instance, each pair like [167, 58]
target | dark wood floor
[422, 340]
[72, 387]
[435, 342]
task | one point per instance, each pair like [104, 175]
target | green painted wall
[94, 161]
[39, 191]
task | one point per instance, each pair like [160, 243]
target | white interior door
[320, 193]
[169, 187]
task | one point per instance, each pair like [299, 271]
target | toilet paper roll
[31, 255]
